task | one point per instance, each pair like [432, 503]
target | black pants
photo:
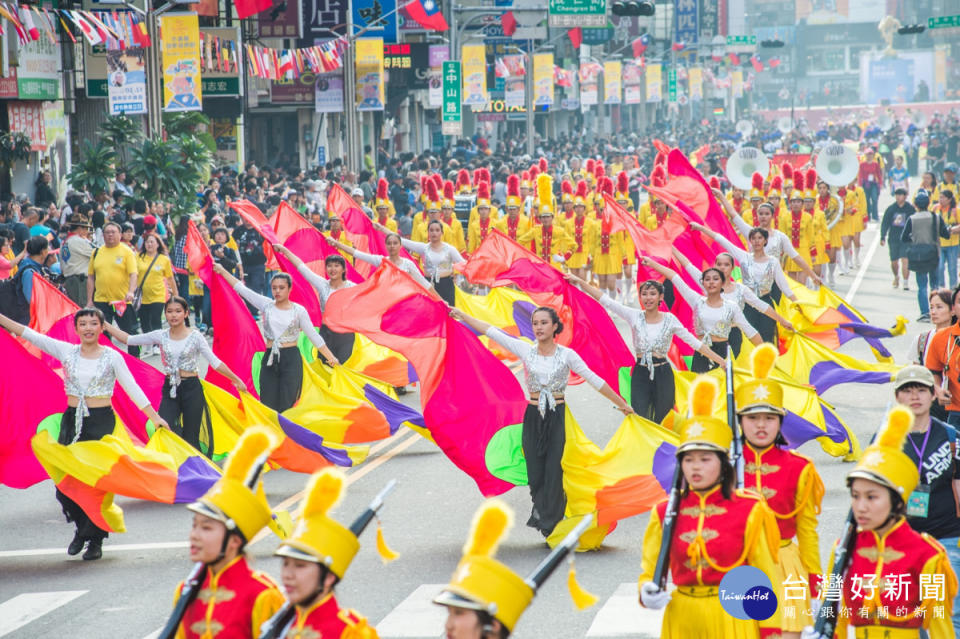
[340, 344]
[735, 340]
[126, 322]
[187, 413]
[446, 289]
[150, 316]
[281, 380]
[765, 325]
[543, 441]
[701, 364]
[652, 398]
[97, 425]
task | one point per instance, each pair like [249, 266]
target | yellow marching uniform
[340, 236]
[515, 227]
[799, 227]
[607, 252]
[582, 233]
[791, 487]
[479, 228]
[547, 240]
[622, 196]
[712, 535]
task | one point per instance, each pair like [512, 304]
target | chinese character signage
[221, 74]
[329, 92]
[321, 16]
[709, 19]
[407, 65]
[686, 22]
[452, 85]
[378, 17]
[27, 117]
[654, 90]
[180, 62]
[438, 54]
[543, 79]
[299, 90]
[474, 58]
[126, 82]
[695, 81]
[38, 73]
[287, 24]
[370, 90]
[612, 81]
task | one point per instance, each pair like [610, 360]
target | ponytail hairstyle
[554, 318]
[654, 284]
[714, 269]
[176, 299]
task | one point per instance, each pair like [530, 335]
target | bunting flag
[279, 64]
[301, 237]
[393, 310]
[627, 477]
[380, 363]
[91, 472]
[808, 361]
[501, 261]
[503, 307]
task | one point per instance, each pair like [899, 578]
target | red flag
[773, 63]
[247, 8]
[359, 228]
[306, 241]
[640, 45]
[509, 23]
[734, 59]
[757, 64]
[657, 245]
[501, 261]
[394, 311]
[427, 13]
[678, 46]
[576, 37]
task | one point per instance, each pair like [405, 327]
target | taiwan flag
[427, 13]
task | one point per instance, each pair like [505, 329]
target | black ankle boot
[76, 545]
[94, 550]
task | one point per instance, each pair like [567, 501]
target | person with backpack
[932, 444]
[921, 237]
[37, 249]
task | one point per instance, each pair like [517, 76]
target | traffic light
[633, 8]
[910, 29]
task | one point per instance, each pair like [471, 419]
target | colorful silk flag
[301, 237]
[393, 310]
[380, 363]
[657, 245]
[500, 261]
[359, 229]
[808, 361]
[503, 307]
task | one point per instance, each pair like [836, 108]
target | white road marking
[863, 267]
[415, 616]
[33, 552]
[22, 609]
[623, 616]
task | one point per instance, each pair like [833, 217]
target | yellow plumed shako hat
[884, 461]
[545, 194]
[761, 394]
[701, 430]
[232, 500]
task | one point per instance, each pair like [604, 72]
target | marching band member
[830, 208]
[757, 196]
[281, 374]
[797, 225]
[514, 224]
[548, 240]
[717, 529]
[622, 196]
[566, 199]
[448, 217]
[231, 599]
[383, 207]
[608, 252]
[713, 316]
[90, 372]
[336, 232]
[787, 481]
[547, 367]
[582, 231]
[479, 228]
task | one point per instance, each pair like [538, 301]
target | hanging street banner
[543, 79]
[452, 123]
[632, 77]
[567, 14]
[329, 92]
[671, 85]
[695, 83]
[436, 56]
[126, 82]
[612, 81]
[589, 76]
[370, 89]
[736, 83]
[180, 61]
[474, 58]
[654, 90]
[220, 78]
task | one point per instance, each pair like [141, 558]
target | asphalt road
[128, 593]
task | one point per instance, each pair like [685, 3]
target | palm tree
[121, 132]
[95, 172]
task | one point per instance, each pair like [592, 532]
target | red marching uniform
[326, 619]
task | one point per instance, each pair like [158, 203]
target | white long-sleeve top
[777, 243]
[321, 285]
[740, 294]
[759, 276]
[281, 325]
[436, 264]
[405, 265]
[651, 339]
[86, 378]
[546, 375]
[178, 354]
[709, 321]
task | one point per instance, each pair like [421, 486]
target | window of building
[826, 59]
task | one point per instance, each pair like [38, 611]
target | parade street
[128, 594]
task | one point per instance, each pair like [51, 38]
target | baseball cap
[149, 220]
[913, 374]
[357, 191]
[950, 167]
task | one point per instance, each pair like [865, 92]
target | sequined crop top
[178, 354]
[321, 285]
[281, 325]
[778, 243]
[740, 294]
[651, 340]
[436, 264]
[86, 378]
[759, 276]
[709, 321]
[546, 375]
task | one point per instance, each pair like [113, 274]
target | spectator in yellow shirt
[112, 280]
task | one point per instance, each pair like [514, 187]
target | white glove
[559, 258]
[652, 597]
[809, 633]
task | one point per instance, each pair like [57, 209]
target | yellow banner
[543, 79]
[736, 82]
[369, 63]
[474, 57]
[695, 80]
[654, 90]
[612, 81]
[180, 55]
